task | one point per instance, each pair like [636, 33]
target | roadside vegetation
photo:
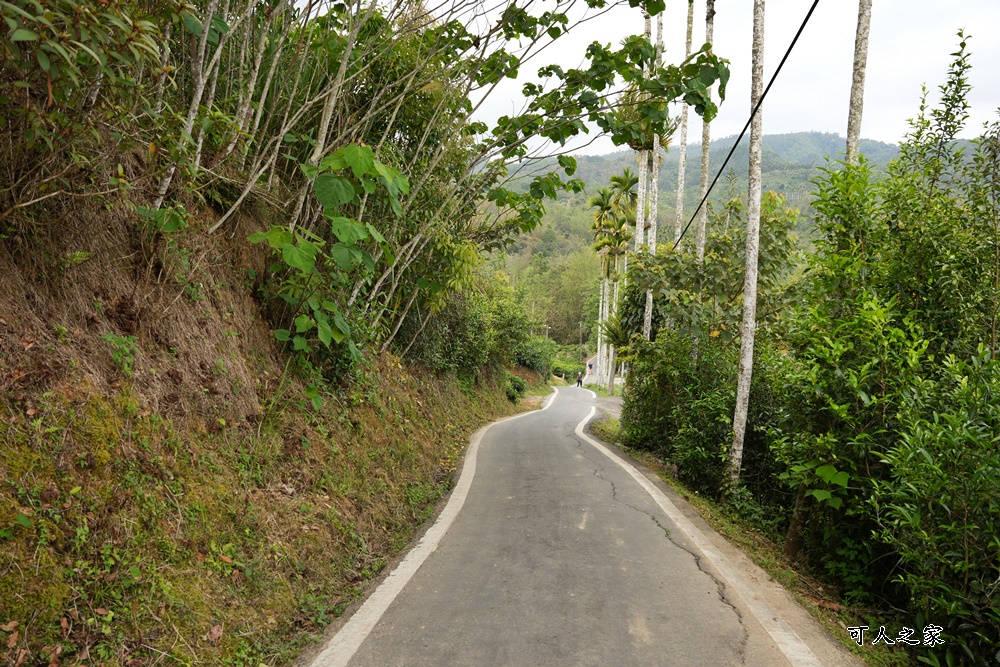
[871, 452]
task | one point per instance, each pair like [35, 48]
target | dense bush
[482, 327]
[680, 406]
[891, 434]
[514, 387]
[939, 509]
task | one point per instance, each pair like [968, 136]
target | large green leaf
[341, 254]
[348, 231]
[303, 323]
[301, 256]
[191, 24]
[276, 237]
[826, 472]
[23, 35]
[375, 233]
[360, 159]
[333, 191]
[323, 330]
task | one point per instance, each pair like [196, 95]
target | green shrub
[939, 507]
[514, 387]
[566, 368]
[680, 406]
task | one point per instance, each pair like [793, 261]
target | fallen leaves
[12, 640]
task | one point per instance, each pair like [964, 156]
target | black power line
[747, 126]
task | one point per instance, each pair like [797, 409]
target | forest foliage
[348, 125]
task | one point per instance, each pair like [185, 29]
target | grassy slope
[195, 508]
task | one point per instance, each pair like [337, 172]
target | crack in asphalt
[720, 586]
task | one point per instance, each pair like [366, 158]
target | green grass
[601, 390]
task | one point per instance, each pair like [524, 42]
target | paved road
[561, 556]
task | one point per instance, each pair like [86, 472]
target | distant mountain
[790, 162]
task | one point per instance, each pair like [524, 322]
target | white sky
[910, 44]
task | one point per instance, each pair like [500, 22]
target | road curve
[553, 550]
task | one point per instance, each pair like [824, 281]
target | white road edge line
[797, 651]
[349, 638]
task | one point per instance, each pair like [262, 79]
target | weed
[123, 351]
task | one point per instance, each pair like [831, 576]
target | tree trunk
[793, 538]
[858, 84]
[599, 362]
[640, 205]
[199, 80]
[753, 240]
[611, 370]
[682, 156]
[706, 139]
[417, 335]
[652, 190]
[331, 99]
[399, 323]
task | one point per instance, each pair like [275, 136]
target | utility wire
[747, 126]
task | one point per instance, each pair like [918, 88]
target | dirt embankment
[168, 494]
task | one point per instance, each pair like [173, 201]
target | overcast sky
[910, 44]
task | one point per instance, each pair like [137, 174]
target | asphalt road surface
[553, 550]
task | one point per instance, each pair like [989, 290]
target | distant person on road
[590, 366]
[579, 379]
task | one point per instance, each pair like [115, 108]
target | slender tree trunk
[611, 346]
[200, 78]
[611, 370]
[599, 362]
[399, 322]
[793, 537]
[161, 79]
[752, 247]
[640, 206]
[682, 156]
[331, 100]
[413, 340]
[245, 106]
[858, 84]
[706, 140]
[653, 193]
